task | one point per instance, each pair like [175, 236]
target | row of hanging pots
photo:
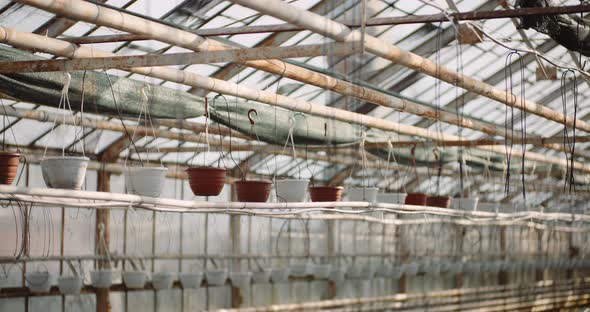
[419, 199]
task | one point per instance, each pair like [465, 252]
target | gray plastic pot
[261, 277]
[241, 279]
[64, 172]
[38, 282]
[162, 280]
[101, 278]
[291, 190]
[300, 270]
[338, 274]
[134, 279]
[366, 194]
[70, 285]
[392, 198]
[191, 280]
[145, 181]
[465, 203]
[279, 275]
[321, 271]
[216, 277]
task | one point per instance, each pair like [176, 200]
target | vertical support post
[503, 275]
[331, 246]
[459, 234]
[539, 273]
[235, 233]
[103, 216]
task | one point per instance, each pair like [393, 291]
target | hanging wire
[510, 98]
[569, 145]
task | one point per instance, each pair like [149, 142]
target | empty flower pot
[392, 198]
[191, 280]
[38, 282]
[101, 278]
[439, 201]
[367, 194]
[253, 191]
[300, 270]
[417, 199]
[279, 275]
[8, 167]
[145, 181]
[216, 277]
[134, 279]
[291, 190]
[338, 274]
[487, 207]
[206, 181]
[241, 279]
[70, 285]
[325, 193]
[162, 280]
[354, 272]
[465, 204]
[64, 172]
[321, 271]
[261, 277]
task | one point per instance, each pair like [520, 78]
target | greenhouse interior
[300, 155]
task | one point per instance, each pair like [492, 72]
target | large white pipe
[337, 31]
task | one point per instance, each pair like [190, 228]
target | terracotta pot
[8, 167]
[325, 193]
[439, 201]
[206, 181]
[417, 199]
[253, 191]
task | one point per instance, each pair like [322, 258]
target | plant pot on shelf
[279, 275]
[367, 194]
[338, 274]
[8, 167]
[101, 278]
[300, 270]
[417, 199]
[392, 198]
[465, 204]
[253, 191]
[291, 190]
[145, 181]
[134, 279]
[261, 277]
[70, 285]
[64, 172]
[216, 277]
[38, 282]
[325, 193]
[191, 280]
[162, 280]
[206, 181]
[241, 279]
[488, 207]
[354, 272]
[321, 271]
[438, 201]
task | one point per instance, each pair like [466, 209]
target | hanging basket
[70, 285]
[279, 275]
[191, 280]
[134, 279]
[241, 279]
[162, 280]
[321, 271]
[206, 181]
[64, 172]
[325, 193]
[417, 199]
[8, 167]
[392, 198]
[365, 194]
[253, 191]
[300, 270]
[438, 201]
[261, 277]
[145, 181]
[338, 274]
[101, 278]
[216, 277]
[465, 204]
[291, 190]
[38, 282]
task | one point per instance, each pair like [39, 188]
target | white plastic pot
[38, 282]
[64, 172]
[392, 198]
[191, 280]
[338, 274]
[465, 204]
[241, 279]
[216, 277]
[291, 190]
[162, 280]
[134, 279]
[300, 270]
[145, 181]
[70, 285]
[488, 207]
[366, 194]
[261, 277]
[101, 278]
[321, 271]
[279, 275]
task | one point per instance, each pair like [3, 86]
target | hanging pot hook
[250, 112]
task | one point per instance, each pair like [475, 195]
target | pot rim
[440, 197]
[6, 153]
[139, 168]
[327, 187]
[266, 182]
[205, 168]
[84, 158]
[417, 194]
[364, 188]
[401, 193]
[292, 180]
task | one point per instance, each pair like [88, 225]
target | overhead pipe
[339, 32]
[61, 48]
[100, 15]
